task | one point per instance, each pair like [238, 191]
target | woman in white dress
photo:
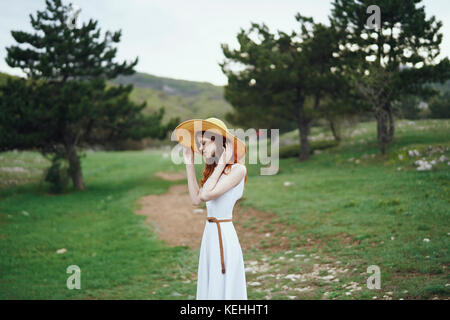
[221, 272]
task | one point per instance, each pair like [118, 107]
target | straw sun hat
[185, 134]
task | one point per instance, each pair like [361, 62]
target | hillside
[4, 76]
[186, 99]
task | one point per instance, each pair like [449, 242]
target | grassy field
[344, 210]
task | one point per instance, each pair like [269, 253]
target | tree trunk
[305, 150]
[75, 168]
[303, 127]
[334, 129]
[385, 126]
[382, 117]
[391, 126]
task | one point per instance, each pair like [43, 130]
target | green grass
[118, 256]
[370, 202]
[348, 209]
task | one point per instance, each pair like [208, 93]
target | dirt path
[178, 222]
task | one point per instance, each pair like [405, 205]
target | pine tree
[286, 76]
[392, 60]
[65, 103]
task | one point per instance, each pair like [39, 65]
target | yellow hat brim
[185, 135]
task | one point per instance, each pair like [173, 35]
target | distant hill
[186, 99]
[4, 76]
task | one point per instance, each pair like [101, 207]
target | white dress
[212, 283]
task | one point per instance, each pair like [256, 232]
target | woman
[221, 272]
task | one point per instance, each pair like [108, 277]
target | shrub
[440, 107]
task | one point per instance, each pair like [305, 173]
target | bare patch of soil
[258, 229]
[173, 217]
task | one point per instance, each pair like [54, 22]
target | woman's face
[207, 147]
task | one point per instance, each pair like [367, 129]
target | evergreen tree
[64, 102]
[284, 79]
[392, 60]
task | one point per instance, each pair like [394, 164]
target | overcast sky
[181, 39]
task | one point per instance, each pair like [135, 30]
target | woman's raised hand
[227, 154]
[188, 155]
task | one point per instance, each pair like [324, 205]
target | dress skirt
[212, 284]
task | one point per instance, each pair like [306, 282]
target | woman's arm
[191, 176]
[213, 178]
[225, 158]
[226, 183]
[193, 185]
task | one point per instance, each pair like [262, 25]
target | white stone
[254, 284]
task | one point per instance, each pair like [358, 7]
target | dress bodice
[222, 207]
